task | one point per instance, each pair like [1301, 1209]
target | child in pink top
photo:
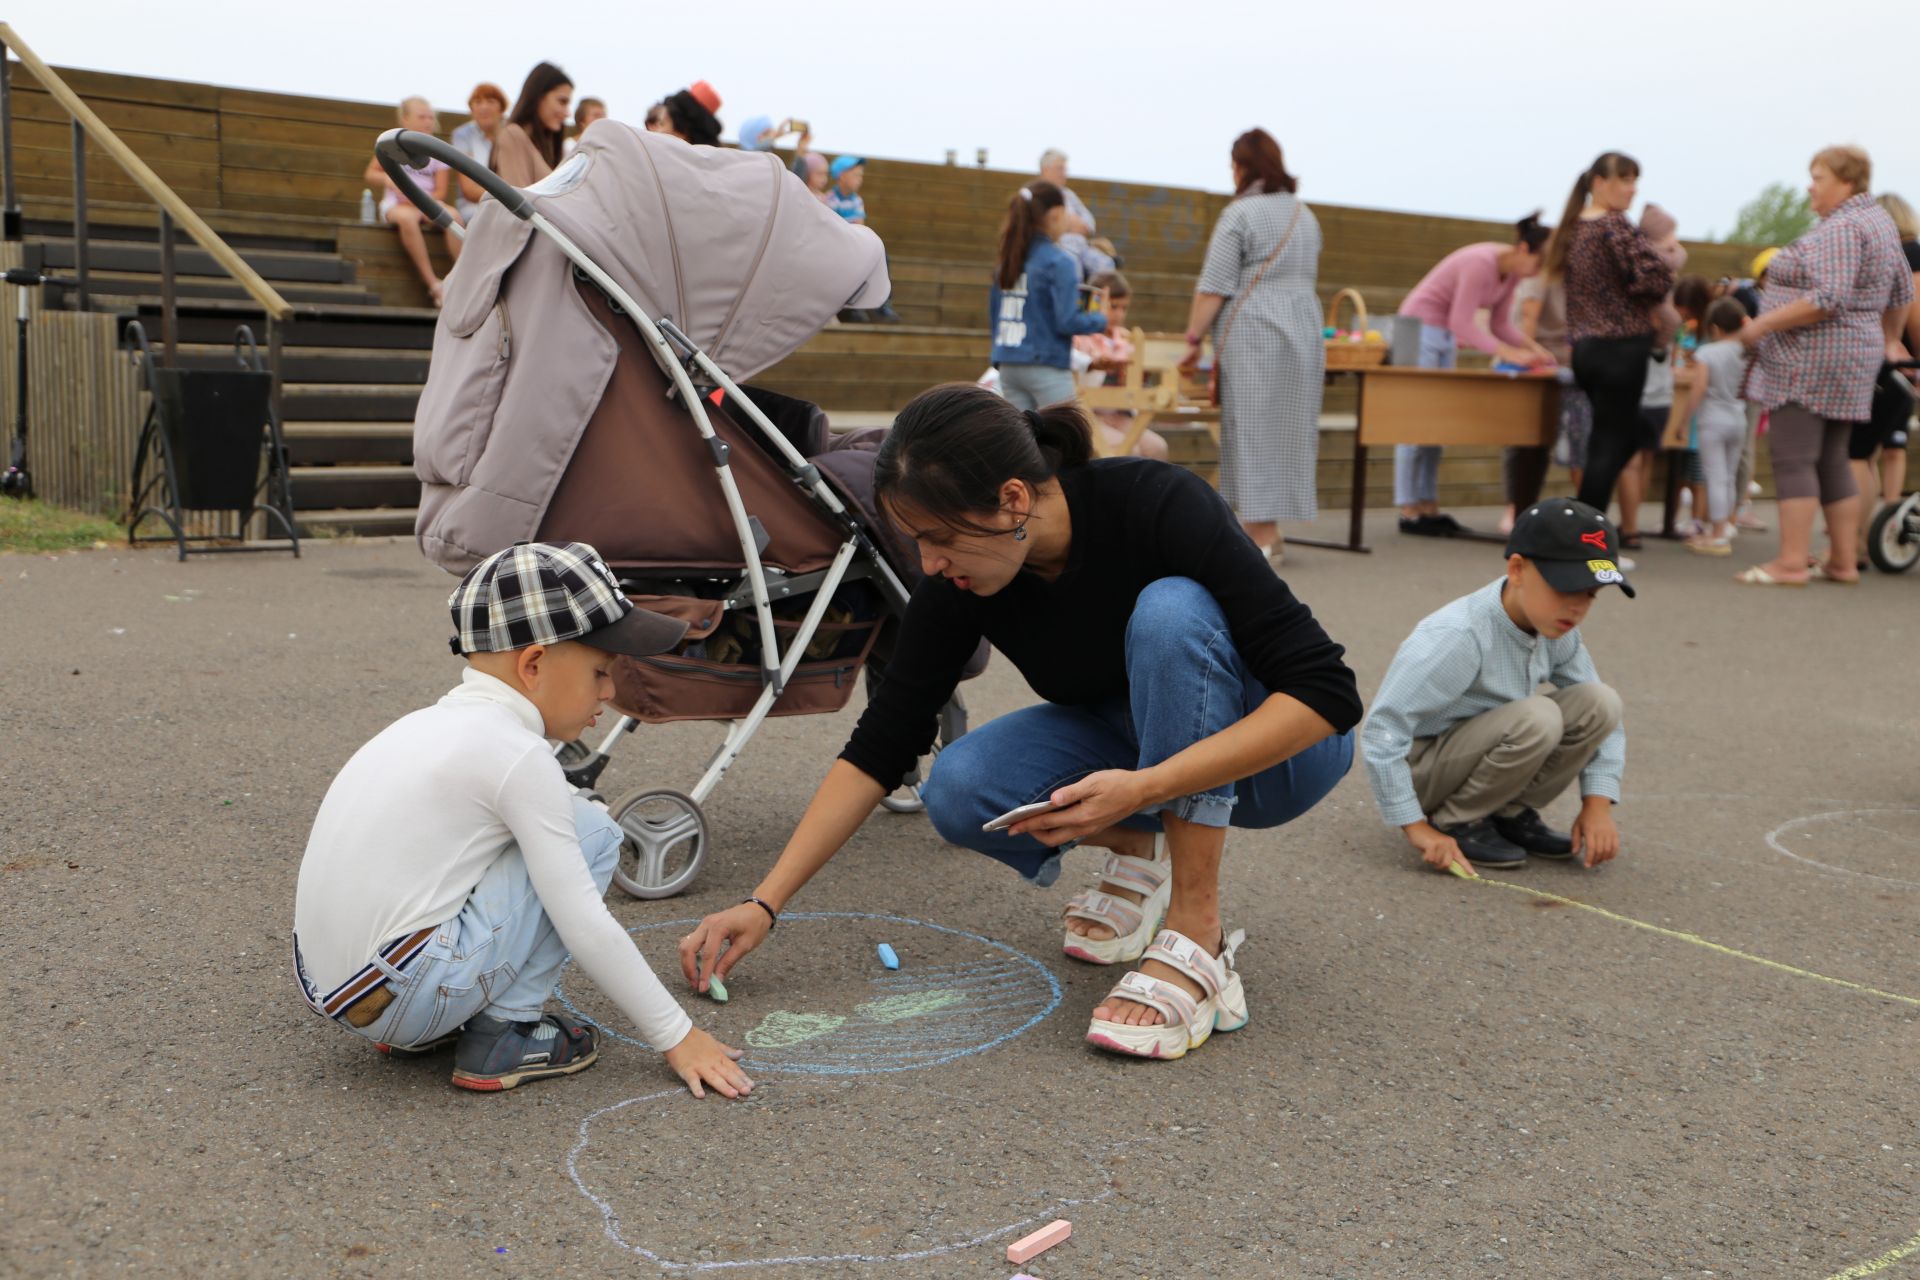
[1098, 355]
[1447, 303]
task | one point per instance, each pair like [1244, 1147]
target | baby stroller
[578, 391]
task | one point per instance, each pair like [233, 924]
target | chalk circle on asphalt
[897, 1172]
[1868, 843]
[955, 994]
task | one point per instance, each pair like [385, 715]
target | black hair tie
[1034, 420]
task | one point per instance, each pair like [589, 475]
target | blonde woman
[417, 113]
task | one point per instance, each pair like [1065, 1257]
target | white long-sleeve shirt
[418, 815]
[1462, 660]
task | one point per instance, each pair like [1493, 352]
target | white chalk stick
[1040, 1241]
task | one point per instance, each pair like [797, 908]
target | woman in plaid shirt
[1834, 306]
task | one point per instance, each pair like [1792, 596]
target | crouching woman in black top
[1185, 690]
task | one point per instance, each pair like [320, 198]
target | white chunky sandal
[1187, 1023]
[1133, 923]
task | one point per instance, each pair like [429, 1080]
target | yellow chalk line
[1905, 1249]
[1872, 1266]
[1694, 938]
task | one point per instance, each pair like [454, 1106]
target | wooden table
[1402, 405]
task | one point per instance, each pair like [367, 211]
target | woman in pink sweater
[1448, 302]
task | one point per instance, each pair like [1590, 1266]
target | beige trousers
[1518, 756]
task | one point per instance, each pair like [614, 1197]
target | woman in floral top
[1613, 277]
[1834, 306]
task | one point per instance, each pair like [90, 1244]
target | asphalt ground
[1440, 1079]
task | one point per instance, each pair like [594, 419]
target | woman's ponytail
[1063, 434]
[1569, 219]
[1529, 233]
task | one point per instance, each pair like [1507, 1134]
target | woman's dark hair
[1726, 315]
[1613, 164]
[691, 120]
[1529, 232]
[542, 80]
[1026, 213]
[954, 446]
[1692, 297]
[1258, 156]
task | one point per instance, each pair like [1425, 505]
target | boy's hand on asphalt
[721, 941]
[700, 1060]
[1438, 849]
[1595, 837]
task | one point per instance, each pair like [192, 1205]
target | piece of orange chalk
[1040, 1241]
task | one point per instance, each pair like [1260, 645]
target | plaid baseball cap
[547, 592]
[1573, 546]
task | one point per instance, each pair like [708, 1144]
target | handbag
[1213, 375]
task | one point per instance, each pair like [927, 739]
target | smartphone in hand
[1024, 812]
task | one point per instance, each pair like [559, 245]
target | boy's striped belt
[365, 995]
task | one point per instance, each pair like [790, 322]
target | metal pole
[273, 364]
[169, 312]
[11, 213]
[80, 212]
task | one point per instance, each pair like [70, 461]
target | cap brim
[1582, 575]
[641, 633]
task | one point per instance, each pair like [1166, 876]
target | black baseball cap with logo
[1574, 547]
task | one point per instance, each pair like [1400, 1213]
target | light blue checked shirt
[1462, 660]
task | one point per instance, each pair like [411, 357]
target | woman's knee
[1173, 607]
[954, 790]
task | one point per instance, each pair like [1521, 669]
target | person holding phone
[1184, 690]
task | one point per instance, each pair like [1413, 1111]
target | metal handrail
[173, 208]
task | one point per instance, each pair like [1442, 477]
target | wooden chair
[1154, 388]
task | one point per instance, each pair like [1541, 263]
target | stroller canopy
[729, 245]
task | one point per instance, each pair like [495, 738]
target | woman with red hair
[1256, 294]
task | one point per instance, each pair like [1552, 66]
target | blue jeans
[1035, 386]
[1416, 467]
[1186, 682]
[499, 956]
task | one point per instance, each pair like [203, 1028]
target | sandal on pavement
[1188, 1022]
[1820, 571]
[1133, 923]
[1758, 577]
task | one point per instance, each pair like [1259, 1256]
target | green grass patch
[38, 526]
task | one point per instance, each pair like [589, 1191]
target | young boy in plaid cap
[451, 868]
[1462, 748]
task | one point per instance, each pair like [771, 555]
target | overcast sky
[1429, 105]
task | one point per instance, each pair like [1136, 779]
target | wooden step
[349, 522]
[311, 364]
[354, 487]
[121, 286]
[189, 260]
[314, 442]
[348, 402]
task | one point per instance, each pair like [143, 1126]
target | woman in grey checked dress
[1272, 358]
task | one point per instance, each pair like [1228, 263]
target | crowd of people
[1183, 689]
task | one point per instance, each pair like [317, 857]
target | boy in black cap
[451, 868]
[1462, 750]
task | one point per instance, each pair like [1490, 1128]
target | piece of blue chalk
[887, 957]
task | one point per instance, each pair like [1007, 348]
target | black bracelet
[773, 917]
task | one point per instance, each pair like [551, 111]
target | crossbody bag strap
[1253, 284]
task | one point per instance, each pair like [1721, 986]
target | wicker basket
[1343, 353]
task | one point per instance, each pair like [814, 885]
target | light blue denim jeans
[1416, 467]
[500, 955]
[1035, 386]
[1186, 681]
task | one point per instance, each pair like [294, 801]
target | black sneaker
[1528, 830]
[495, 1054]
[1485, 846]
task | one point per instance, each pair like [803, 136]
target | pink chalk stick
[1040, 1241]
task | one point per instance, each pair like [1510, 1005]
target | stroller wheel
[905, 800]
[572, 755]
[666, 841]
[1893, 539]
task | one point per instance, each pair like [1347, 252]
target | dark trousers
[1613, 373]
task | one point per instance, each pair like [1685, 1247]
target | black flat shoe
[1484, 846]
[1528, 830]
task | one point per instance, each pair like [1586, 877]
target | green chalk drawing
[913, 1004]
[780, 1028]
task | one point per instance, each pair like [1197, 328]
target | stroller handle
[401, 149]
